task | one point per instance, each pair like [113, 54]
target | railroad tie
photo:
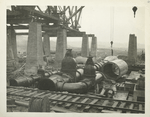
[48, 94]
[83, 101]
[30, 94]
[88, 106]
[16, 91]
[20, 93]
[53, 98]
[8, 91]
[38, 94]
[65, 100]
[60, 103]
[69, 104]
[115, 104]
[105, 102]
[131, 106]
[140, 106]
[24, 93]
[122, 105]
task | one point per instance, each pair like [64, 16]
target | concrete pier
[94, 46]
[10, 55]
[46, 45]
[14, 44]
[132, 49]
[11, 62]
[85, 46]
[61, 46]
[34, 49]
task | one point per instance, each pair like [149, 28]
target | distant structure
[132, 49]
[54, 21]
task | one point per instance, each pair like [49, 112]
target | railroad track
[77, 102]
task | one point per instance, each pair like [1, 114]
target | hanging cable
[111, 28]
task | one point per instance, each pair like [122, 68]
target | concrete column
[11, 66]
[46, 44]
[94, 46]
[34, 49]
[10, 55]
[132, 49]
[14, 44]
[85, 46]
[135, 48]
[61, 46]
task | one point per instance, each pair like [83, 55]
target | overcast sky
[99, 21]
[108, 23]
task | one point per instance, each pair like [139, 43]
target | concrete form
[61, 46]
[14, 44]
[132, 49]
[46, 45]
[85, 46]
[34, 49]
[94, 47]
[10, 55]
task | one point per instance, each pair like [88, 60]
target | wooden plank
[115, 104]
[140, 107]
[88, 107]
[122, 105]
[20, 93]
[24, 93]
[13, 92]
[39, 94]
[109, 111]
[54, 102]
[83, 101]
[131, 106]
[61, 109]
[102, 92]
[61, 98]
[105, 102]
[121, 95]
[52, 96]
[55, 97]
[66, 99]
[30, 94]
[48, 94]
[74, 100]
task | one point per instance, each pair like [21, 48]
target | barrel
[39, 104]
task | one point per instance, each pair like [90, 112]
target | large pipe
[79, 87]
[115, 69]
[24, 81]
[98, 66]
[62, 83]
[30, 80]
[50, 83]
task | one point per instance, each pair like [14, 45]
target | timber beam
[54, 34]
[46, 27]
[40, 14]
[69, 34]
[27, 20]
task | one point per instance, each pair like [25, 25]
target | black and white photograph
[76, 58]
